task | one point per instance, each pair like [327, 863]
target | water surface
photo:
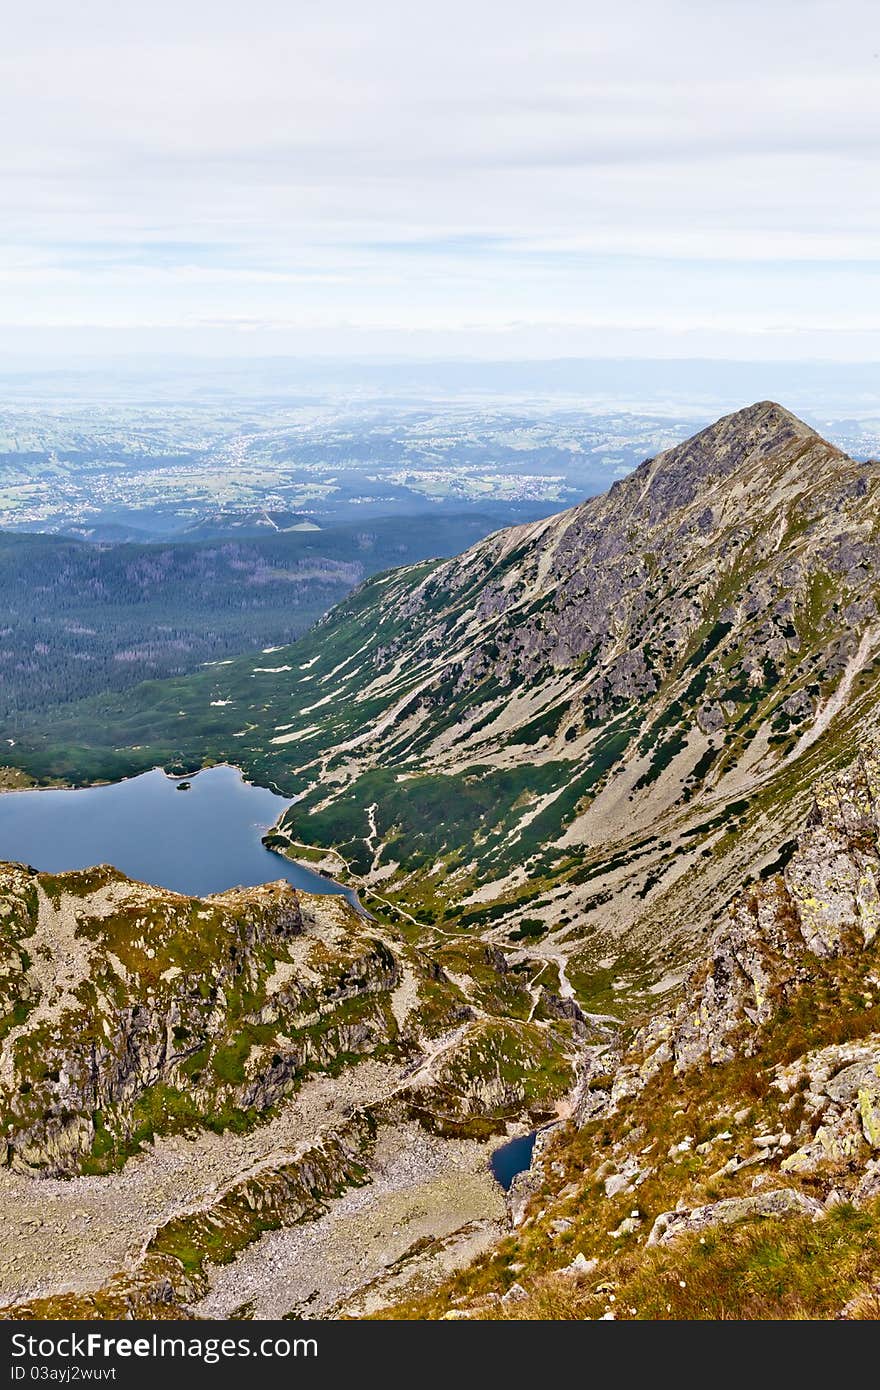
[202, 840]
[512, 1158]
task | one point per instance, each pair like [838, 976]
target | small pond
[512, 1158]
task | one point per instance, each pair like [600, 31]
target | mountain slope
[202, 1071]
[724, 1159]
[579, 735]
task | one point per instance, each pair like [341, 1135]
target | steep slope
[724, 1158]
[202, 1071]
[579, 735]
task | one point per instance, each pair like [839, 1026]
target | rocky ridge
[227, 1066]
[134, 1009]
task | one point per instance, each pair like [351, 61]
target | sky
[490, 179]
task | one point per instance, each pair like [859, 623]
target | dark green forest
[77, 619]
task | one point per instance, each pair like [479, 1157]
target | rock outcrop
[782, 1201]
[138, 1011]
[824, 904]
[246, 1051]
[128, 1012]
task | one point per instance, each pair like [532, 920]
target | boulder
[579, 1267]
[782, 1201]
[515, 1294]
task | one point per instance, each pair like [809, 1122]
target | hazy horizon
[686, 387]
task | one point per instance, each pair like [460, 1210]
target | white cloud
[352, 169]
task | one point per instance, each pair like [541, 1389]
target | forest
[78, 619]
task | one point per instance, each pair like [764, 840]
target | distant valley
[158, 469]
[82, 618]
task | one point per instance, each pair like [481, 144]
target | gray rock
[618, 1182]
[627, 1227]
[515, 1294]
[710, 718]
[845, 1087]
[579, 1267]
[834, 1146]
[782, 1201]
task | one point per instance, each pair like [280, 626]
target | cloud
[282, 163]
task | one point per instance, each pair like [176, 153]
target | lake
[199, 841]
[512, 1158]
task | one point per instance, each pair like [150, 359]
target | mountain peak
[765, 420]
[756, 434]
[766, 409]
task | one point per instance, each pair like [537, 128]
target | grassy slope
[759, 1108]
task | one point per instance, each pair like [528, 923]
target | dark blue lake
[512, 1158]
[199, 841]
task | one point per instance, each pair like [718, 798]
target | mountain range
[579, 735]
[607, 786]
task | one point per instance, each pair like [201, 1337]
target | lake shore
[207, 841]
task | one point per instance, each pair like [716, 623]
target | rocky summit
[607, 786]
